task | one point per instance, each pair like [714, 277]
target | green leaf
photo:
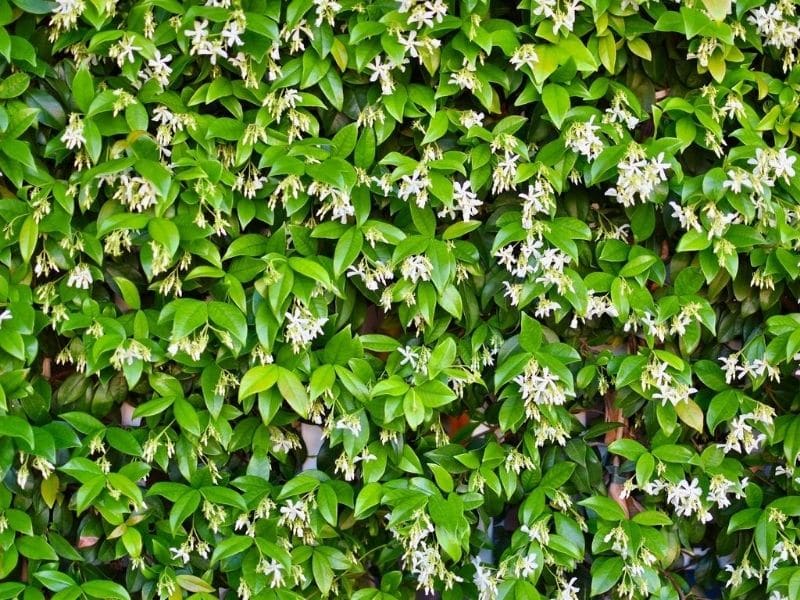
[10, 589]
[437, 127]
[28, 236]
[228, 318]
[310, 268]
[368, 499]
[630, 371]
[723, 407]
[129, 292]
[99, 588]
[258, 379]
[14, 85]
[294, 392]
[690, 413]
[606, 572]
[53, 580]
[607, 49]
[35, 547]
[83, 89]
[638, 265]
[413, 408]
[192, 583]
[630, 449]
[36, 7]
[165, 233]
[693, 241]
[322, 571]
[301, 484]
[605, 508]
[556, 101]
[189, 315]
[11, 426]
[673, 453]
[231, 546]
[327, 503]
[89, 491]
[121, 483]
[718, 9]
[652, 518]
[183, 508]
[186, 416]
[640, 48]
[451, 301]
[747, 518]
[434, 394]
[347, 250]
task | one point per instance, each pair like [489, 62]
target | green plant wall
[396, 299]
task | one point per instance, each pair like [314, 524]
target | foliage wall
[530, 268]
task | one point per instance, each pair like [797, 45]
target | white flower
[80, 277]
[350, 423]
[737, 178]
[540, 198]
[783, 164]
[294, 511]
[199, 34]
[123, 50]
[66, 14]
[335, 201]
[128, 353]
[513, 292]
[686, 216]
[326, 11]
[545, 307]
[568, 590]
[410, 43]
[524, 55]
[416, 185]
[741, 436]
[416, 268]
[583, 139]
[214, 50]
[539, 386]
[242, 522]
[526, 566]
[674, 394]
[273, 569]
[484, 581]
[158, 69]
[73, 134]
[504, 174]
[136, 193]
[466, 78]
[618, 112]
[382, 71]
[231, 32]
[5, 316]
[302, 327]
[427, 14]
[638, 176]
[181, 553]
[729, 365]
[776, 29]
[409, 356]
[465, 200]
[471, 118]
[685, 497]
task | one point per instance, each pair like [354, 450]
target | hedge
[393, 299]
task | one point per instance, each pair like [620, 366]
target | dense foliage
[530, 271]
